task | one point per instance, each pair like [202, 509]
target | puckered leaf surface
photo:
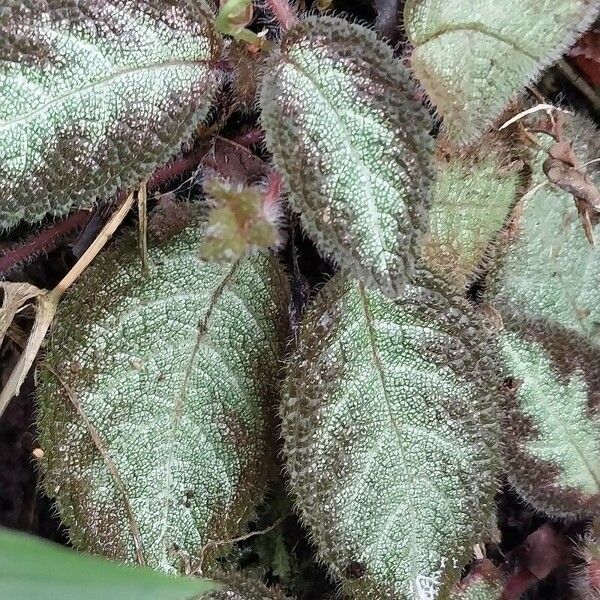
[545, 283]
[94, 95]
[352, 143]
[548, 268]
[552, 422]
[154, 398]
[390, 428]
[474, 57]
[238, 587]
[472, 199]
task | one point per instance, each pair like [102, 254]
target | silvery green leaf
[474, 57]
[545, 283]
[390, 426]
[239, 587]
[552, 422]
[352, 144]
[548, 269]
[472, 199]
[94, 95]
[154, 399]
[484, 581]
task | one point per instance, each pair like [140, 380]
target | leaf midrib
[98, 84]
[359, 161]
[381, 376]
[182, 394]
[474, 28]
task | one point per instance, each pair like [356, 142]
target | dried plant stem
[546, 107]
[88, 256]
[47, 304]
[197, 569]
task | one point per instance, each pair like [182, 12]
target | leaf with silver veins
[548, 268]
[552, 421]
[352, 143]
[474, 57]
[154, 399]
[390, 427]
[472, 199]
[483, 582]
[545, 284]
[94, 95]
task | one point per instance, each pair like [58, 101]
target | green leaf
[474, 57]
[351, 141]
[480, 590]
[472, 198]
[483, 582]
[552, 422]
[545, 283]
[240, 587]
[548, 269]
[154, 398]
[32, 569]
[390, 425]
[95, 95]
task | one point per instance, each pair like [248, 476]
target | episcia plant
[197, 389]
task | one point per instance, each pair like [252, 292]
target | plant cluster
[192, 386]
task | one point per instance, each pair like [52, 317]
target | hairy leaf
[472, 199]
[586, 580]
[474, 57]
[545, 283]
[480, 590]
[483, 582]
[390, 435]
[94, 95]
[31, 569]
[548, 268]
[239, 587]
[154, 397]
[351, 141]
[552, 425]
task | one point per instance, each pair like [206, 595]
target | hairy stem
[283, 11]
[49, 239]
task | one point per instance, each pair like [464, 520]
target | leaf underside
[94, 95]
[474, 57]
[390, 435]
[154, 397]
[351, 142]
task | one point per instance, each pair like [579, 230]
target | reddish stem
[48, 239]
[43, 242]
[282, 10]
[518, 584]
[249, 138]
